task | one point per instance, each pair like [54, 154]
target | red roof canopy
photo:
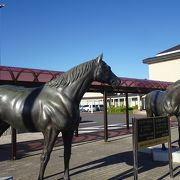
[35, 77]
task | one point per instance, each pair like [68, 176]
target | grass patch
[120, 110]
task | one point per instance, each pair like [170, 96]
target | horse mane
[174, 85]
[71, 75]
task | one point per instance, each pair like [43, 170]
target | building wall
[92, 99]
[165, 71]
[117, 100]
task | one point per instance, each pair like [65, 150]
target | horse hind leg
[179, 134]
[50, 136]
[67, 140]
[178, 119]
[3, 127]
[149, 113]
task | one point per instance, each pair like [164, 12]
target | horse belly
[12, 112]
[11, 117]
[63, 122]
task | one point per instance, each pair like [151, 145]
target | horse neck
[75, 90]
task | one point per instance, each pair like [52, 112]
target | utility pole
[1, 6]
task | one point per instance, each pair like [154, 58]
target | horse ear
[99, 58]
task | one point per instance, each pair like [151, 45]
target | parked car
[83, 108]
[89, 108]
[100, 107]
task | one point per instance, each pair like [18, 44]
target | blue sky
[59, 34]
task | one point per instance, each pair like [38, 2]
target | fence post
[127, 111]
[105, 117]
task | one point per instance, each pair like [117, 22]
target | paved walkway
[92, 159]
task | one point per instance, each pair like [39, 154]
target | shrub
[119, 109]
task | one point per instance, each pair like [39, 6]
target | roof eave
[163, 58]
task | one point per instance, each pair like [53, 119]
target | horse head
[104, 74]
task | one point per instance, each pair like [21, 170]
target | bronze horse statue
[53, 107]
[165, 103]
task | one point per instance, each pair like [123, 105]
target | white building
[165, 65]
[112, 100]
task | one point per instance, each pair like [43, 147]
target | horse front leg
[50, 136]
[67, 139]
[178, 119]
[3, 127]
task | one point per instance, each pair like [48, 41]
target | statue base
[6, 178]
[161, 155]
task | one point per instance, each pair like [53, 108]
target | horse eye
[108, 68]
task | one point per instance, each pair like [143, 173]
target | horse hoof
[65, 178]
[164, 148]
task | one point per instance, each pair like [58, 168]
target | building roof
[167, 55]
[158, 59]
[170, 50]
[35, 77]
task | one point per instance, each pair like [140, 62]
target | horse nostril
[114, 83]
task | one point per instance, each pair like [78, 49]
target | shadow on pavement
[35, 145]
[145, 163]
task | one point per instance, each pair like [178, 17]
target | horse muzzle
[115, 82]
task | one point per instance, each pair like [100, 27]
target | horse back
[154, 103]
[16, 104]
[33, 109]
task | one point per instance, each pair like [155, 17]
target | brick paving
[92, 159]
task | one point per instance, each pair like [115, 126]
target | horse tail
[148, 105]
[3, 127]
